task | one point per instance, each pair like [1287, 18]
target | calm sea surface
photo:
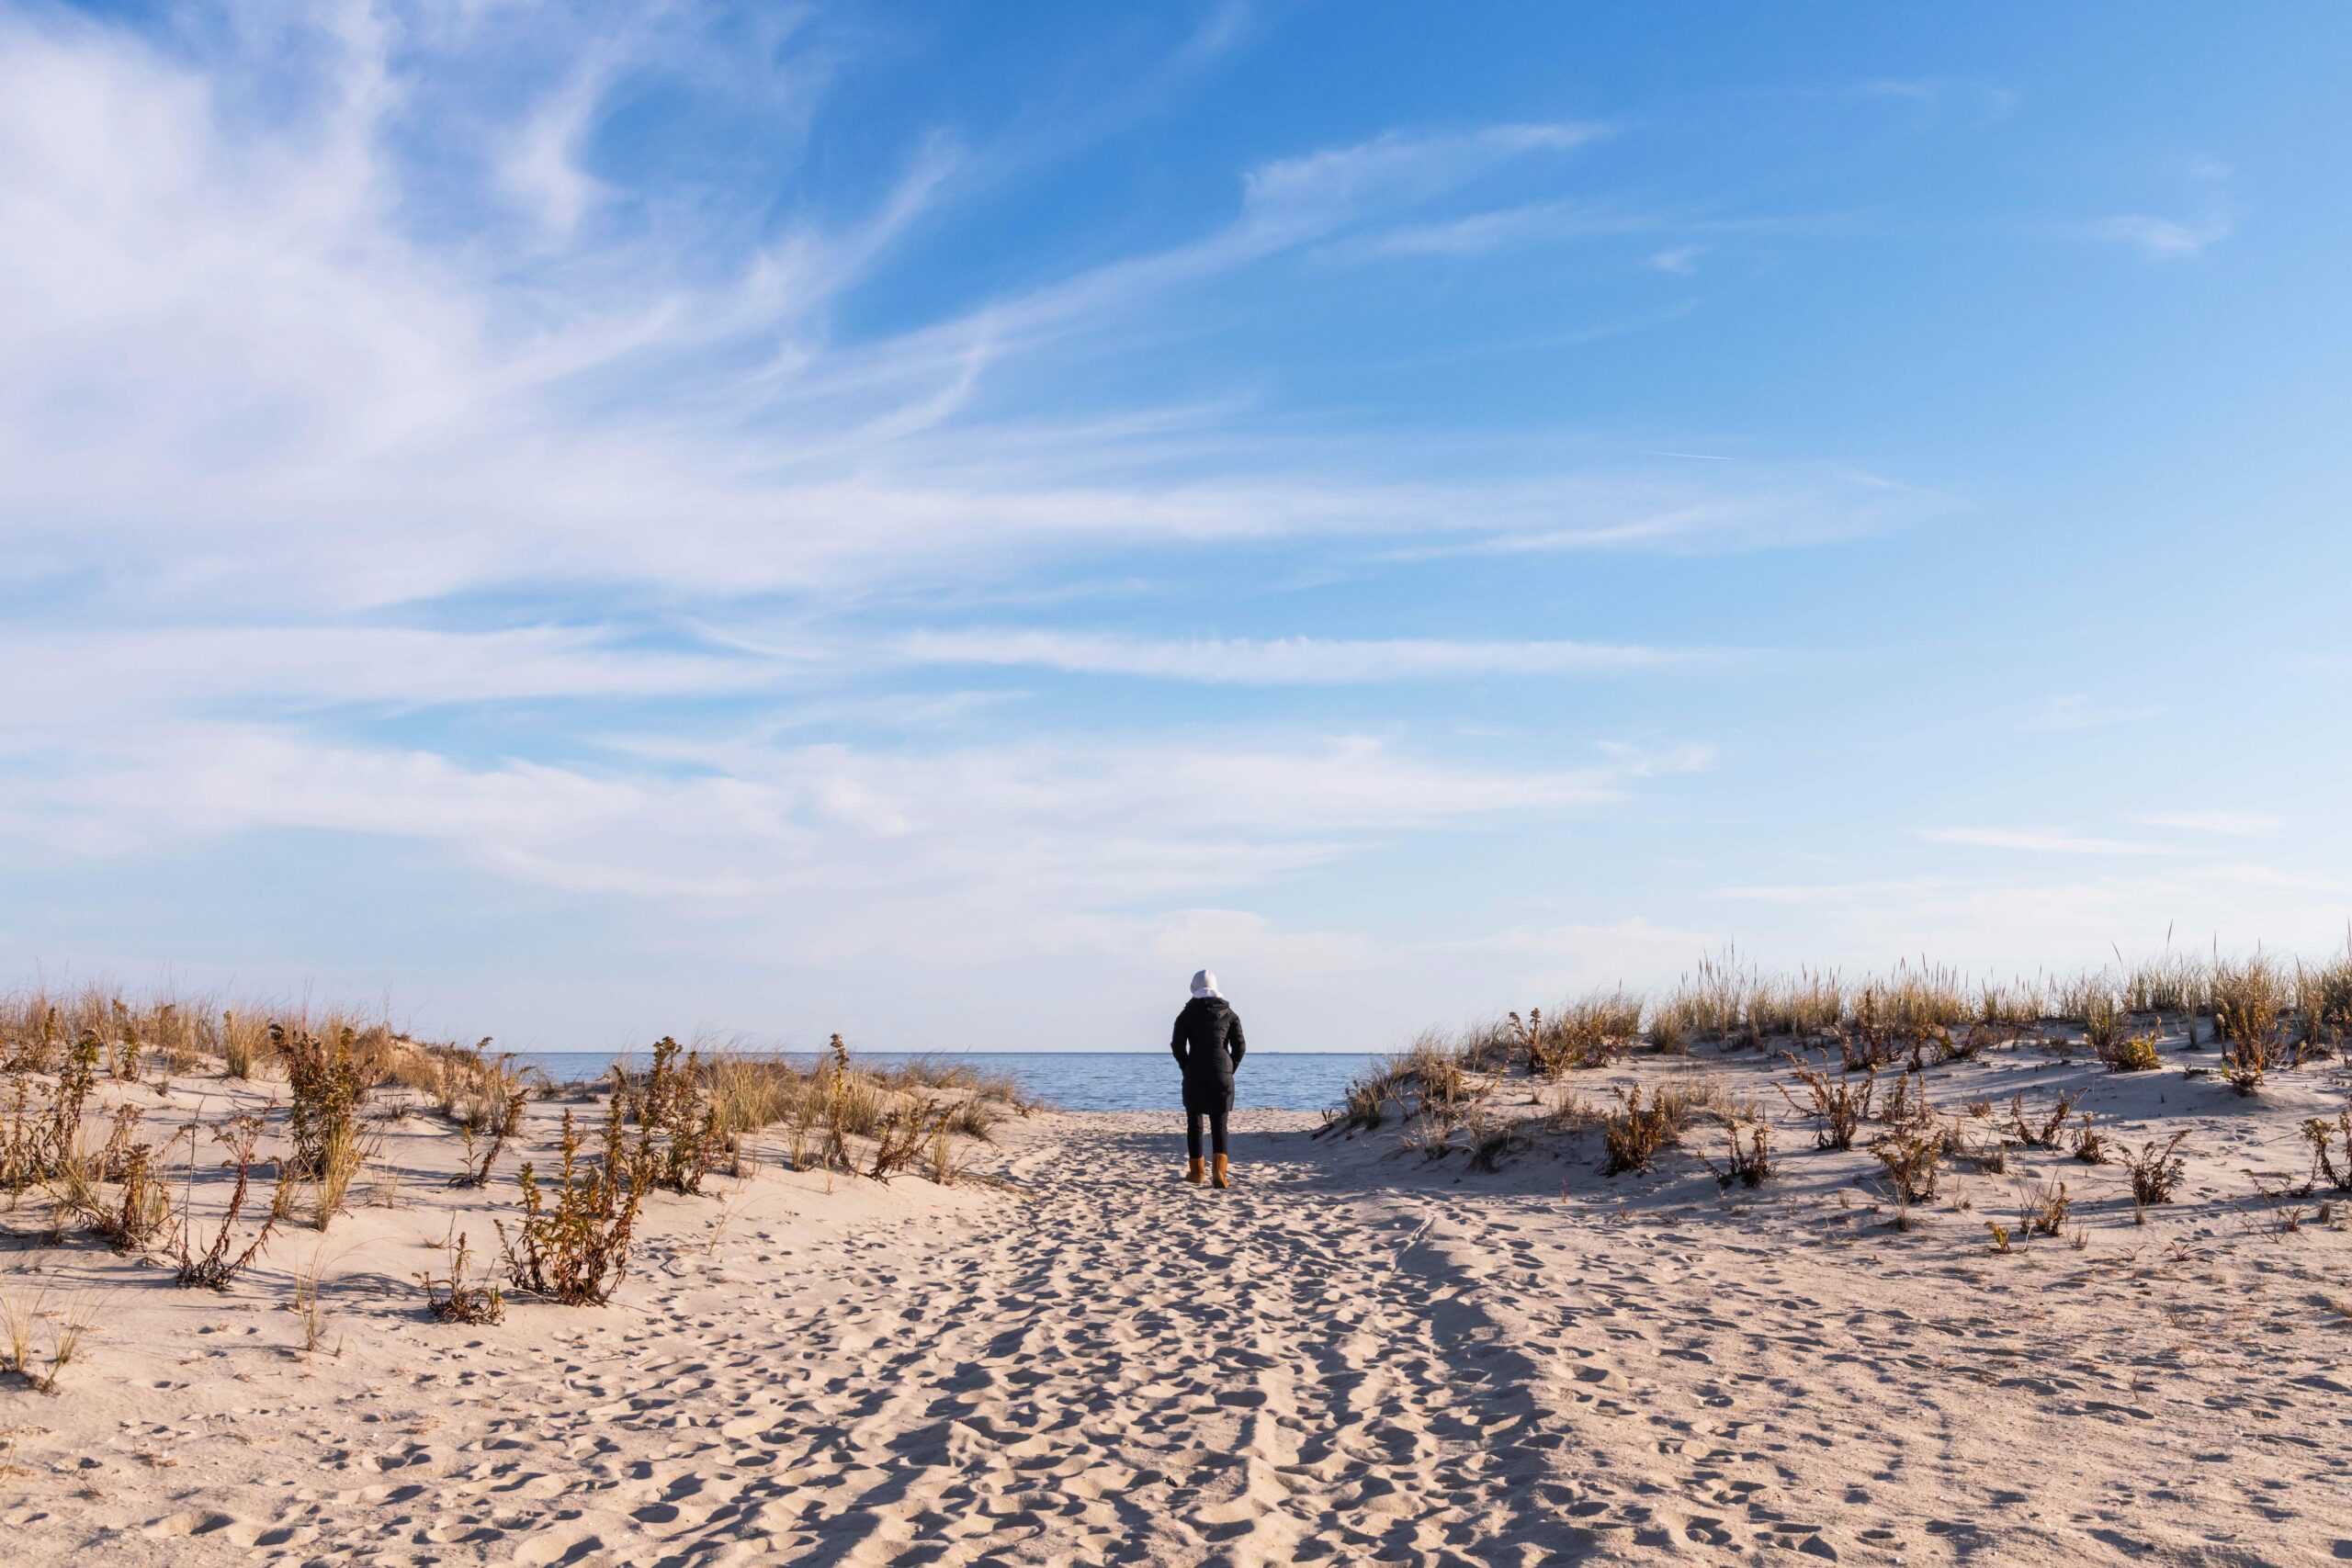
[1092, 1081]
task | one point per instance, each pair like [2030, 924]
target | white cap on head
[1204, 985]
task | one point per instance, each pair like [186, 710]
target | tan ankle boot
[1220, 1179]
[1194, 1175]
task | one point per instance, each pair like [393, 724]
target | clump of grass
[463, 1298]
[142, 1206]
[906, 1131]
[2248, 1008]
[216, 1268]
[2171, 982]
[2016, 1007]
[69, 1323]
[2132, 1053]
[2323, 1001]
[1715, 1000]
[1432, 1079]
[308, 1307]
[342, 1157]
[571, 1243]
[1492, 1140]
[2156, 1171]
[1838, 1109]
[243, 1043]
[1803, 1007]
[944, 1166]
[2102, 1024]
[1362, 1106]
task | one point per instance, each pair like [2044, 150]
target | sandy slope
[1349, 1357]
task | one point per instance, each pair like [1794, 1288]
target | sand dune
[1351, 1357]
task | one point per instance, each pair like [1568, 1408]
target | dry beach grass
[1905, 1268]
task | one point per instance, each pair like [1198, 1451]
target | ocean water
[1091, 1080]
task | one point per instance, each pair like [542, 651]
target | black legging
[1193, 1132]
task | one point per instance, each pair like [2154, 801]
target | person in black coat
[1208, 1045]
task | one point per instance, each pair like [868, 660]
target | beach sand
[1352, 1356]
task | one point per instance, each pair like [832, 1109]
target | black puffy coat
[1208, 1047]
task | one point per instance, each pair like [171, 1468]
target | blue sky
[934, 521]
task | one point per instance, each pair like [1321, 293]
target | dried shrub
[571, 1243]
[1869, 1039]
[2156, 1170]
[2043, 1210]
[122, 1046]
[462, 1298]
[2090, 1145]
[325, 1083]
[1635, 1133]
[40, 1146]
[1914, 1162]
[1838, 1109]
[215, 1267]
[1979, 1039]
[1906, 1104]
[2043, 1133]
[2326, 1139]
[679, 1138]
[2133, 1054]
[474, 1171]
[1749, 1166]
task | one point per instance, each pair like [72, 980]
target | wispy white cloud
[2232, 824]
[1292, 660]
[103, 675]
[600, 410]
[1482, 233]
[2039, 841]
[2074, 711]
[2164, 238]
[854, 837]
[1809, 893]
[1329, 186]
[1980, 103]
